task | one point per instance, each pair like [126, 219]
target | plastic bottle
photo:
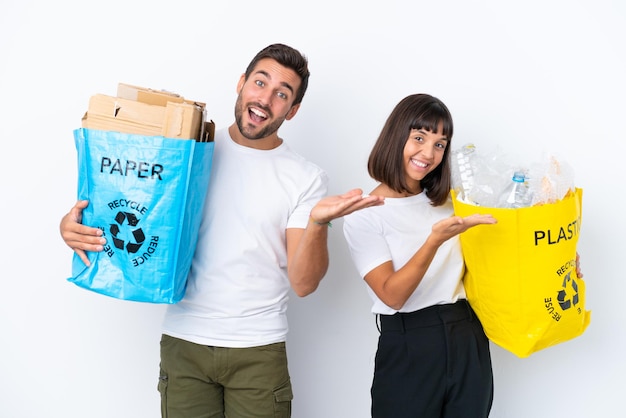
[517, 194]
[462, 171]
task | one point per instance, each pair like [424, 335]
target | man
[264, 229]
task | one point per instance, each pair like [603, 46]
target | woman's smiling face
[423, 152]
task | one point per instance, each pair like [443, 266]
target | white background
[527, 76]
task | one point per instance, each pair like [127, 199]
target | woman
[433, 357]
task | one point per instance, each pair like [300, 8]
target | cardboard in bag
[144, 163]
[151, 96]
[143, 111]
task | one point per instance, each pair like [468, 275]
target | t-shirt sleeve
[318, 189]
[366, 241]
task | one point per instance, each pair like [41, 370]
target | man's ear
[241, 82]
[292, 112]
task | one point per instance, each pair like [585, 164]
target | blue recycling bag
[147, 194]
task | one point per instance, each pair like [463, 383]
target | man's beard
[264, 132]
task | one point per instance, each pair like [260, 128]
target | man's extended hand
[333, 207]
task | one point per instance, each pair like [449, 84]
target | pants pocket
[282, 401]
[162, 388]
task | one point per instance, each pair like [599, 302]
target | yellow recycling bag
[520, 274]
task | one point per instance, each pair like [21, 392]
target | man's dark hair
[287, 57]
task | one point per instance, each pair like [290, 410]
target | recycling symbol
[568, 295]
[125, 234]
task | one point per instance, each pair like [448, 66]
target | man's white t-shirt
[237, 288]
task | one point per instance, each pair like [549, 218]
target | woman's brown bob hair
[386, 165]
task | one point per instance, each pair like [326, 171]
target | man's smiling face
[265, 99]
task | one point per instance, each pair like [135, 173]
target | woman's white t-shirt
[394, 232]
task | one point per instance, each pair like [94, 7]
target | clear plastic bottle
[463, 171]
[517, 194]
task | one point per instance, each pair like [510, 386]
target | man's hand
[78, 237]
[333, 207]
